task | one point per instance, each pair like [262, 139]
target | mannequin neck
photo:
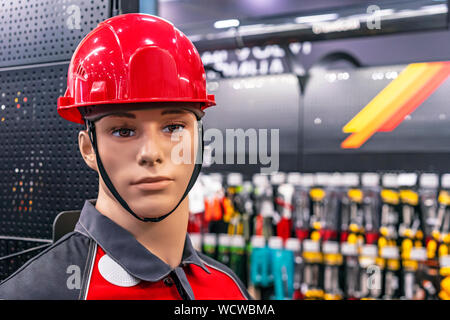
[165, 238]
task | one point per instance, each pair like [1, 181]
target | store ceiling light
[317, 18]
[222, 24]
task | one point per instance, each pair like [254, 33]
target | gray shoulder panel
[55, 273]
[210, 262]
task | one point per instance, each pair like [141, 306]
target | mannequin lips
[152, 183]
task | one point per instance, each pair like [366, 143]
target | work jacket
[101, 260]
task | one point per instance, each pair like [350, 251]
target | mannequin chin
[151, 203]
[145, 143]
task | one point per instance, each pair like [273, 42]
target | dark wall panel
[264, 102]
[333, 98]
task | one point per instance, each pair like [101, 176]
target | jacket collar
[123, 247]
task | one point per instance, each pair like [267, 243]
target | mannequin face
[158, 143]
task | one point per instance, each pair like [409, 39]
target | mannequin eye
[173, 128]
[123, 132]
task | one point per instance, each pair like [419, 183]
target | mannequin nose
[150, 153]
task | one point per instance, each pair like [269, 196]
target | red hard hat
[133, 58]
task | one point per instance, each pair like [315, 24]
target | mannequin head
[156, 141]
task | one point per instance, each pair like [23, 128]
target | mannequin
[138, 84]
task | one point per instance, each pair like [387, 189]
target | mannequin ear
[86, 150]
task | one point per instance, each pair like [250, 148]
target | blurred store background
[352, 96]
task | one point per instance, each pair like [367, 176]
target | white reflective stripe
[90, 272]
[230, 276]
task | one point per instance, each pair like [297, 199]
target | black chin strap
[105, 177]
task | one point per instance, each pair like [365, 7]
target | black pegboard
[41, 169]
[36, 31]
